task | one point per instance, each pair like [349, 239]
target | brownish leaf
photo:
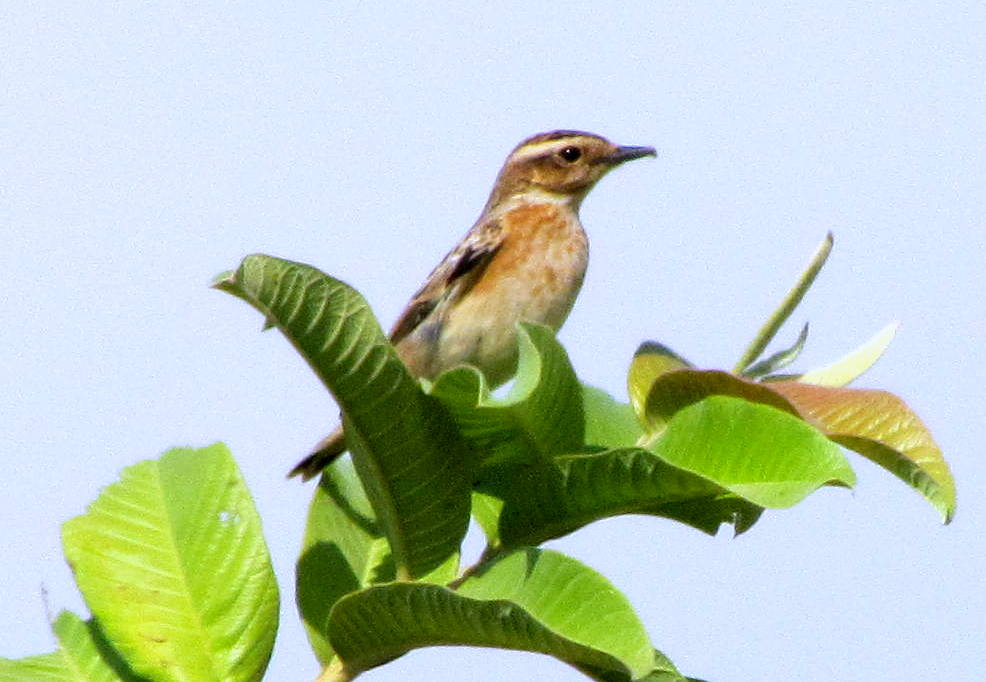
[881, 427]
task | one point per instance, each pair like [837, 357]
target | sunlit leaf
[90, 655]
[84, 655]
[172, 563]
[876, 424]
[678, 389]
[43, 668]
[849, 368]
[608, 422]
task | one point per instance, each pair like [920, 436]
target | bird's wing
[454, 276]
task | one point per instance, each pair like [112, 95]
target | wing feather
[455, 275]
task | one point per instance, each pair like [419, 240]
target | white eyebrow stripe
[540, 148]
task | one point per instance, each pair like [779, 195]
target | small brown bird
[523, 260]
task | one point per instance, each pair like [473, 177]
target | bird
[524, 260]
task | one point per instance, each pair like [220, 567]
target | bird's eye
[571, 154]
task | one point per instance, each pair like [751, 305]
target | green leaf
[664, 671]
[882, 428]
[763, 454]
[708, 514]
[43, 668]
[409, 456]
[787, 306]
[780, 359]
[849, 368]
[608, 422]
[172, 563]
[524, 502]
[88, 653]
[650, 361]
[530, 600]
[84, 655]
[343, 551]
[612, 481]
[541, 503]
[540, 416]
[486, 509]
[678, 389]
[876, 424]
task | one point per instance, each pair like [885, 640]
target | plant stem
[335, 672]
[489, 554]
[787, 306]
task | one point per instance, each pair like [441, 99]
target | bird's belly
[482, 329]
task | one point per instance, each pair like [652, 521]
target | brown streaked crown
[565, 163]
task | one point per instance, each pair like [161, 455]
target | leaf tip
[947, 511]
[223, 280]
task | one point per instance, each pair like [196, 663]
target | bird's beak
[629, 154]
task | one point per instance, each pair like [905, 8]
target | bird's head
[562, 165]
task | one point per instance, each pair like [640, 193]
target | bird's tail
[327, 451]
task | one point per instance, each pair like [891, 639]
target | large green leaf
[759, 452]
[84, 655]
[548, 501]
[541, 415]
[407, 452]
[172, 562]
[531, 600]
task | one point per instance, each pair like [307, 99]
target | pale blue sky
[143, 149]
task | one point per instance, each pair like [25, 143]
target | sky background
[146, 148]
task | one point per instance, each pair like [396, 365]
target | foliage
[173, 566]
[174, 569]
